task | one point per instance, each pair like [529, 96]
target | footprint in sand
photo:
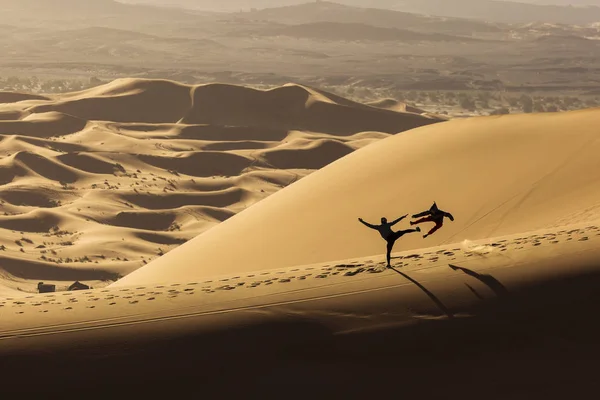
[583, 239]
[151, 298]
[285, 280]
[412, 256]
[355, 272]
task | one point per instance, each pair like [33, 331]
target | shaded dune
[217, 214]
[316, 155]
[43, 125]
[88, 162]
[231, 133]
[291, 107]
[10, 115]
[9, 172]
[31, 197]
[127, 100]
[46, 168]
[147, 220]
[30, 269]
[159, 238]
[221, 198]
[39, 221]
[13, 97]
[241, 145]
[201, 164]
[53, 144]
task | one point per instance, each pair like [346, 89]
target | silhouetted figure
[388, 235]
[434, 214]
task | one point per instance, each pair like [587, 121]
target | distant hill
[503, 11]
[334, 12]
[355, 32]
[54, 13]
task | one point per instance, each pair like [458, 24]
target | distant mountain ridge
[560, 11]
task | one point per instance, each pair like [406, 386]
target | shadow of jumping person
[491, 282]
[432, 296]
[385, 230]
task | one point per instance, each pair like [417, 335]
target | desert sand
[290, 296]
[97, 183]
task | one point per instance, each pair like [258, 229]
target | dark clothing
[388, 235]
[438, 223]
[392, 239]
[434, 214]
[385, 229]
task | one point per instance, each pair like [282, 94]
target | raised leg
[420, 221]
[437, 226]
[422, 214]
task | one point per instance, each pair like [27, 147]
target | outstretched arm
[448, 215]
[367, 224]
[398, 220]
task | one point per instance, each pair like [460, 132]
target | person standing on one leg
[388, 235]
[434, 214]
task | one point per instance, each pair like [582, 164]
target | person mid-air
[434, 214]
[388, 235]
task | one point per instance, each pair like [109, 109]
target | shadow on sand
[486, 279]
[432, 296]
[540, 342]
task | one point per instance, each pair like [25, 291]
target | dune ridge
[497, 175]
[109, 178]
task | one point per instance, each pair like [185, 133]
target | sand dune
[497, 175]
[108, 178]
[286, 288]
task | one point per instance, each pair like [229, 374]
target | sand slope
[497, 175]
[508, 317]
[96, 183]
